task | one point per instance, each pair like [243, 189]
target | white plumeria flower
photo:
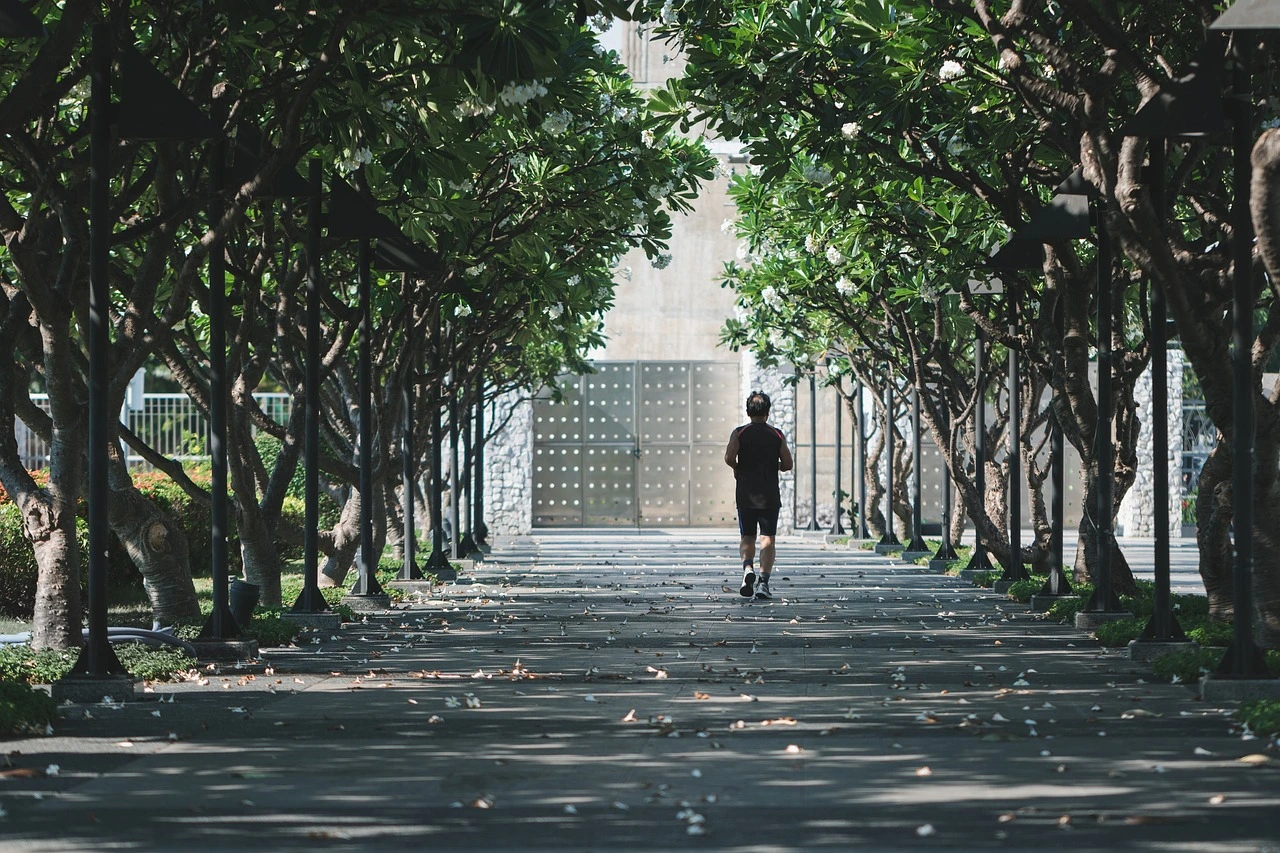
[951, 70]
[843, 286]
[462, 310]
[834, 256]
[812, 244]
[662, 261]
[772, 298]
[850, 130]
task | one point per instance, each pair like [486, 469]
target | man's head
[758, 405]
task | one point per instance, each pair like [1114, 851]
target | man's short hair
[758, 403]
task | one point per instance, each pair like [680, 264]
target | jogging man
[756, 453]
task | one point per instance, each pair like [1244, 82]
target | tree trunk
[50, 524]
[1213, 531]
[1122, 582]
[346, 540]
[876, 522]
[157, 546]
[261, 559]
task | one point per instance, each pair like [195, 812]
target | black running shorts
[766, 519]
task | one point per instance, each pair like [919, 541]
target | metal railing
[170, 423]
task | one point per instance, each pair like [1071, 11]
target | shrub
[1262, 716]
[18, 570]
[1120, 632]
[1187, 666]
[24, 710]
[1066, 610]
[1210, 633]
[20, 663]
[271, 629]
[151, 663]
[1023, 590]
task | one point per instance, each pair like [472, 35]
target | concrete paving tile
[597, 690]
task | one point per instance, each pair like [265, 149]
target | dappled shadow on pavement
[604, 691]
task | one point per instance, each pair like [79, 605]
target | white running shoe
[748, 582]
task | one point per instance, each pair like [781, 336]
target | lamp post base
[92, 689]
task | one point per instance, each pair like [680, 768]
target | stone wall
[1137, 509]
[508, 476]
[756, 377]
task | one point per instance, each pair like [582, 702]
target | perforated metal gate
[637, 443]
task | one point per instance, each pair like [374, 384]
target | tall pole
[367, 581]
[860, 447]
[409, 571]
[98, 658]
[310, 600]
[837, 529]
[1243, 659]
[455, 504]
[480, 531]
[1015, 571]
[947, 551]
[890, 538]
[813, 452]
[979, 562]
[467, 542]
[1056, 584]
[221, 624]
[917, 545]
[438, 563]
[1163, 625]
[1104, 599]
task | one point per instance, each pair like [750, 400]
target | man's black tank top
[759, 448]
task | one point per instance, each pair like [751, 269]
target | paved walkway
[611, 691]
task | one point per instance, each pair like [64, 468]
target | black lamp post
[480, 531]
[353, 216]
[889, 542]
[946, 551]
[150, 108]
[1065, 217]
[1243, 658]
[837, 529]
[917, 547]
[813, 452]
[438, 563]
[409, 570]
[860, 464]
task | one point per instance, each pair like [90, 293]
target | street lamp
[837, 529]
[1187, 107]
[889, 543]
[1243, 658]
[150, 108]
[351, 216]
[917, 547]
[813, 451]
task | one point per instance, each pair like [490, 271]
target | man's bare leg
[766, 556]
[747, 548]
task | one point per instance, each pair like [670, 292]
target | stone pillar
[508, 475]
[756, 377]
[1137, 510]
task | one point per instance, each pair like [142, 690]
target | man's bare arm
[731, 452]
[785, 462]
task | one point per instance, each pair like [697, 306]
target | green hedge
[21, 664]
[1262, 716]
[24, 710]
